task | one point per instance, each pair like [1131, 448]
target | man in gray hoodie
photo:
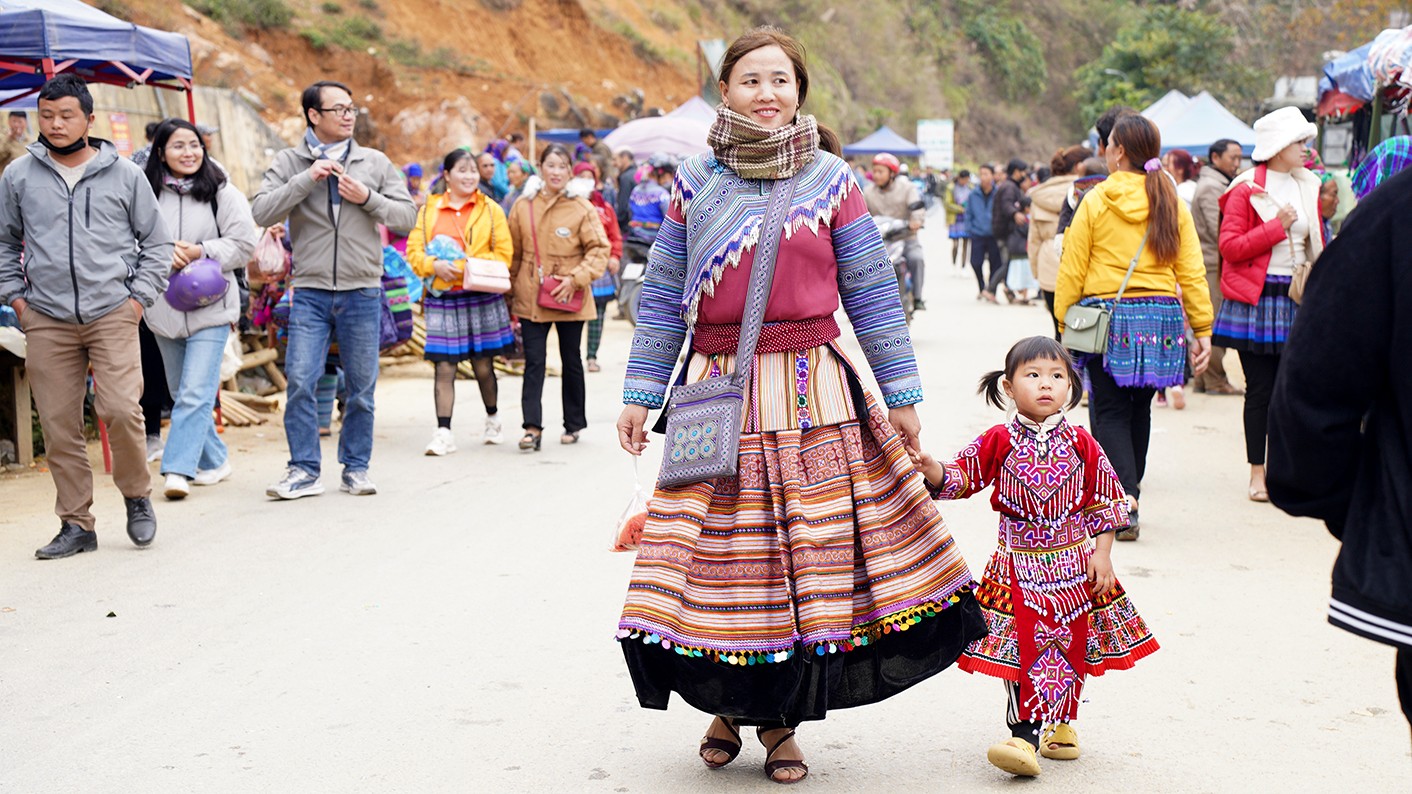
[83, 251]
[334, 193]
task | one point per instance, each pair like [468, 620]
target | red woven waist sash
[711, 340]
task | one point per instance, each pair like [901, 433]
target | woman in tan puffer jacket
[560, 240]
[1046, 200]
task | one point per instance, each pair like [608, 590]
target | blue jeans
[193, 367]
[317, 317]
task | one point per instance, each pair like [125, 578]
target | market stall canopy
[695, 108]
[883, 141]
[1202, 123]
[39, 36]
[681, 136]
[1167, 109]
[1349, 75]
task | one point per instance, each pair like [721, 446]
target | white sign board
[937, 140]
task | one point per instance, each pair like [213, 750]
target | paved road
[454, 632]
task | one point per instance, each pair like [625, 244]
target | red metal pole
[190, 100]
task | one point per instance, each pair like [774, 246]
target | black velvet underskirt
[806, 686]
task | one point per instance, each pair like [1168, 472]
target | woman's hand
[905, 421]
[446, 271]
[565, 290]
[632, 429]
[1288, 215]
[1200, 355]
[614, 265]
[1100, 572]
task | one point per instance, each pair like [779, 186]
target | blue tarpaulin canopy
[884, 140]
[42, 38]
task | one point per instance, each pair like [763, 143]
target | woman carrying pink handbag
[466, 317]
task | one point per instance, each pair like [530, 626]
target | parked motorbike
[630, 278]
[894, 233]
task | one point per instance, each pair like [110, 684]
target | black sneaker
[141, 521]
[1132, 530]
[919, 305]
[71, 540]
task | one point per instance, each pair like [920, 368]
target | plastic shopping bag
[271, 260]
[627, 533]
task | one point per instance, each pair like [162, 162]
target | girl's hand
[927, 465]
[906, 422]
[632, 429]
[565, 290]
[1100, 572]
[447, 271]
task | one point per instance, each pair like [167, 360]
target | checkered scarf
[754, 152]
[1384, 162]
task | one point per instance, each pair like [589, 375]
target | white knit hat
[1278, 129]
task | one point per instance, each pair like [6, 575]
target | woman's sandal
[593, 365]
[1060, 742]
[531, 442]
[1014, 755]
[569, 438]
[771, 767]
[730, 748]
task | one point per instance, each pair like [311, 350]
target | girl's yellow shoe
[1064, 740]
[1014, 755]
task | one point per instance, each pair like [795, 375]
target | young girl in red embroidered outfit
[1055, 611]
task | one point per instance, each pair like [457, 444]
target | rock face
[440, 126]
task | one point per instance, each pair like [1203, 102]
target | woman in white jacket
[209, 218]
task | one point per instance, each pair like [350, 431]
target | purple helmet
[200, 283]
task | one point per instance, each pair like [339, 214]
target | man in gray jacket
[334, 193]
[83, 251]
[1224, 158]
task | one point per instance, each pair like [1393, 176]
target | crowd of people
[792, 561]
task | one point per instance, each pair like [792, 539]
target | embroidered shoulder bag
[705, 418]
[1086, 327]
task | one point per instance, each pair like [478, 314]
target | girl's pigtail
[990, 388]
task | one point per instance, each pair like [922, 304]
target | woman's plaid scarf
[754, 152]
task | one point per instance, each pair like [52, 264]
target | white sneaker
[154, 448]
[177, 487]
[442, 442]
[212, 476]
[493, 431]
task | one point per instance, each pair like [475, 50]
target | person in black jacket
[1341, 420]
[1005, 219]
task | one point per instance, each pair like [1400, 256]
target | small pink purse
[486, 275]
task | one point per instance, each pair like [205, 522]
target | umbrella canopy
[695, 108]
[1204, 122]
[883, 141]
[681, 136]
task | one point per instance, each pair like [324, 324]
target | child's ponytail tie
[1152, 166]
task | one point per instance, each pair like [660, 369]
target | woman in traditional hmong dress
[821, 576]
[1055, 611]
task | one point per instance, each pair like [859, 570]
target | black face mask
[76, 146]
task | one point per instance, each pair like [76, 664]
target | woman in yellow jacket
[1134, 210]
[462, 324]
[560, 248]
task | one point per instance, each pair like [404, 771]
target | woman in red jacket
[1270, 227]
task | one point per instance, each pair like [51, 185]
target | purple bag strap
[762, 276]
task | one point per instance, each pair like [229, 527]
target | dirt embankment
[435, 74]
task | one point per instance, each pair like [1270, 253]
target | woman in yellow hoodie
[1135, 212]
[462, 325]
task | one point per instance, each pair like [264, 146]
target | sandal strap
[771, 767]
[770, 749]
[726, 746]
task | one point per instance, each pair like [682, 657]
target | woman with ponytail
[774, 596]
[1135, 214]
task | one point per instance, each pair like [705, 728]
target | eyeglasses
[184, 147]
[345, 111]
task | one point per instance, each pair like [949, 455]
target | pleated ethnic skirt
[465, 325]
[821, 577]
[1261, 328]
[1146, 342]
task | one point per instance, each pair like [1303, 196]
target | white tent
[695, 108]
[1167, 109]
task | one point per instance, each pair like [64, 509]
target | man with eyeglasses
[334, 193]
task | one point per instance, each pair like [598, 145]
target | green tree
[1013, 54]
[1166, 48]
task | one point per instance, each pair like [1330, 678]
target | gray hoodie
[85, 251]
[341, 255]
[227, 234]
